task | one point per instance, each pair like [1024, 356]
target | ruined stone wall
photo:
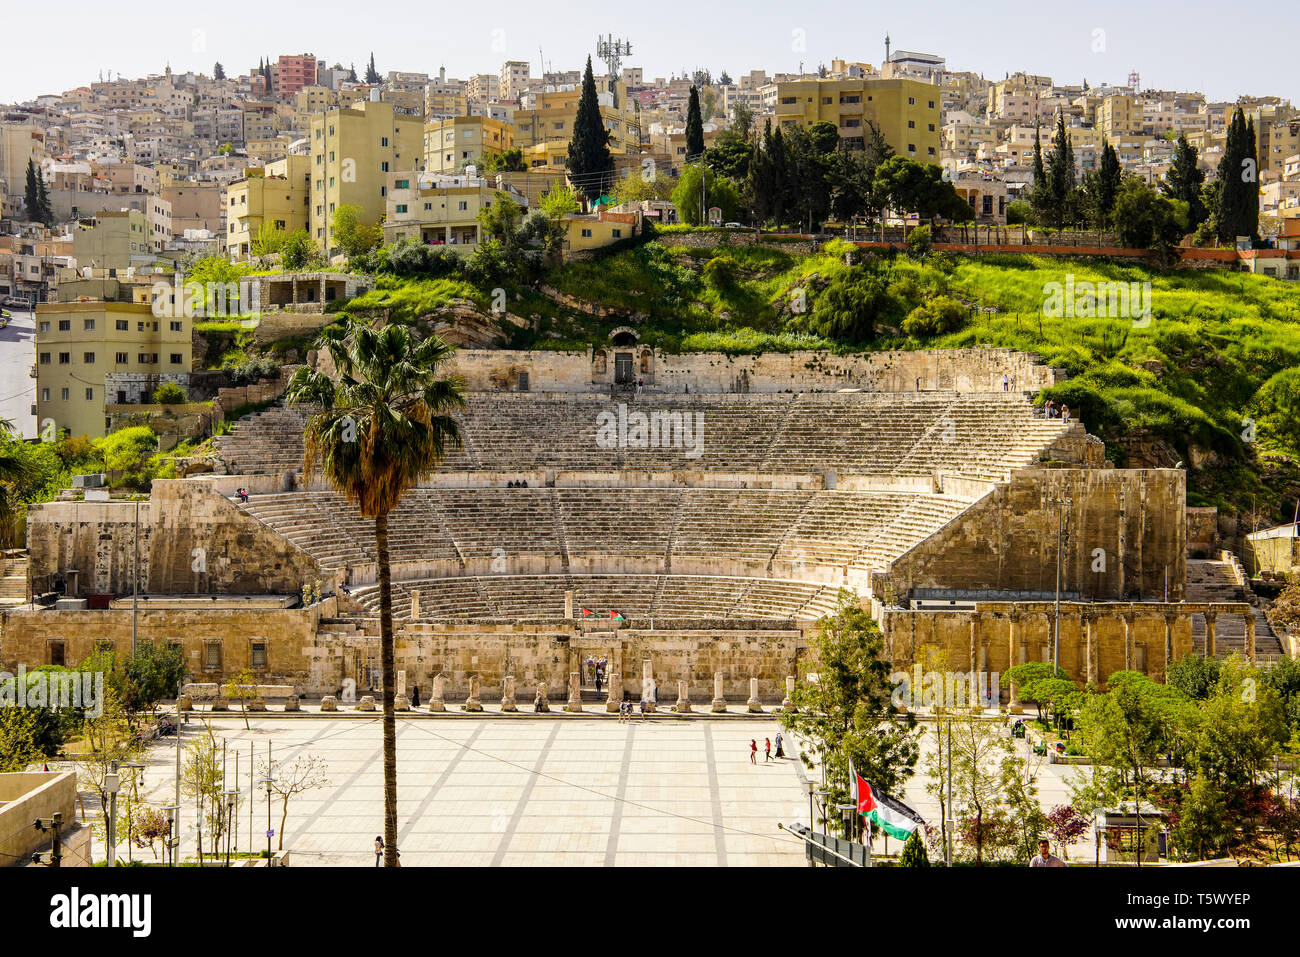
[1124, 531]
[963, 370]
[238, 554]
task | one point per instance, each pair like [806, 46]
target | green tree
[384, 423]
[1184, 182]
[694, 126]
[1146, 220]
[1237, 208]
[698, 191]
[909, 186]
[126, 449]
[152, 673]
[351, 233]
[769, 173]
[1194, 675]
[372, 75]
[218, 71]
[591, 167]
[852, 306]
[634, 188]
[1204, 829]
[914, 854]
[846, 714]
[1104, 185]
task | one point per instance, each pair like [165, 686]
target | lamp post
[232, 798]
[173, 821]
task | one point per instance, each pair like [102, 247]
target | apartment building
[79, 344]
[289, 74]
[1119, 115]
[451, 144]
[544, 124]
[353, 150]
[436, 209]
[513, 79]
[278, 193]
[22, 140]
[905, 111]
[114, 239]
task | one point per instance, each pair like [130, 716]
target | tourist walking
[767, 750]
[598, 681]
[779, 753]
[753, 751]
[379, 850]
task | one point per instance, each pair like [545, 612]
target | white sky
[1221, 49]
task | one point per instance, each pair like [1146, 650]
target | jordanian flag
[893, 817]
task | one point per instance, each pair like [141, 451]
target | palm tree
[381, 423]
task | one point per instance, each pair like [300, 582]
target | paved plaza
[568, 791]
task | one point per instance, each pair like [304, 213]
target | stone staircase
[1222, 580]
[13, 580]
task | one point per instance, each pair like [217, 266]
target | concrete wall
[239, 555]
[963, 370]
[1007, 542]
[26, 796]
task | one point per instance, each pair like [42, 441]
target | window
[63, 395]
[65, 325]
[65, 358]
[45, 395]
[586, 233]
[911, 124]
[45, 358]
[401, 207]
[617, 233]
[88, 358]
[177, 358]
[463, 205]
[57, 653]
[90, 395]
[257, 658]
[176, 327]
[45, 326]
[122, 358]
[211, 656]
[402, 184]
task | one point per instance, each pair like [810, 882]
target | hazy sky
[1222, 49]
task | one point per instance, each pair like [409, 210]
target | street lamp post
[112, 784]
[232, 798]
[173, 838]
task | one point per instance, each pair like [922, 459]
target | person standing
[1045, 858]
[598, 678]
[779, 752]
[415, 696]
[753, 751]
[379, 850]
[767, 750]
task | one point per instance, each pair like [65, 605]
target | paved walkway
[486, 791]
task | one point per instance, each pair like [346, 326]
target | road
[17, 388]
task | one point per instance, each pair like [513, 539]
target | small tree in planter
[914, 854]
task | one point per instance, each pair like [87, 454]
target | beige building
[451, 144]
[545, 125]
[114, 239]
[905, 111]
[80, 344]
[353, 150]
[437, 210]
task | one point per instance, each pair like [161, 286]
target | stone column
[540, 704]
[568, 604]
[753, 704]
[1128, 641]
[1013, 658]
[508, 694]
[788, 703]
[436, 702]
[648, 685]
[719, 701]
[1250, 636]
[415, 604]
[575, 692]
[472, 703]
[683, 705]
[974, 632]
[1210, 619]
[615, 692]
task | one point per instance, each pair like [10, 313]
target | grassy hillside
[1212, 379]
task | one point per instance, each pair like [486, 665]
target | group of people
[522, 483]
[242, 494]
[379, 852]
[626, 709]
[595, 667]
[1008, 383]
[1055, 411]
[767, 749]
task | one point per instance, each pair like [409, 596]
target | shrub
[918, 240]
[169, 393]
[934, 318]
[720, 272]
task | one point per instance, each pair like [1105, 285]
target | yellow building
[82, 348]
[278, 193]
[452, 143]
[543, 130]
[441, 104]
[905, 111]
[353, 150]
[1118, 115]
[593, 230]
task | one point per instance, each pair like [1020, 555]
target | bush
[918, 240]
[720, 272]
[169, 393]
[126, 449]
[914, 854]
[247, 371]
[1020, 213]
[934, 318]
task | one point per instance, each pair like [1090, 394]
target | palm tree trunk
[389, 678]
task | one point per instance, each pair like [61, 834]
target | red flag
[586, 613]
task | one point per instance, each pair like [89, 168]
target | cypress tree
[1250, 184]
[31, 194]
[218, 71]
[1231, 187]
[1061, 174]
[914, 854]
[591, 167]
[694, 126]
[1040, 173]
[45, 212]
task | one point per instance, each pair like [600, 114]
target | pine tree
[591, 167]
[694, 126]
[914, 854]
[1061, 175]
[1109, 175]
[1250, 184]
[1040, 174]
[1184, 180]
[372, 75]
[45, 212]
[1231, 188]
[218, 71]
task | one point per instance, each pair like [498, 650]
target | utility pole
[947, 847]
[135, 584]
[112, 782]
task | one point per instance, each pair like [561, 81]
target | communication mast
[612, 52]
[1135, 81]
